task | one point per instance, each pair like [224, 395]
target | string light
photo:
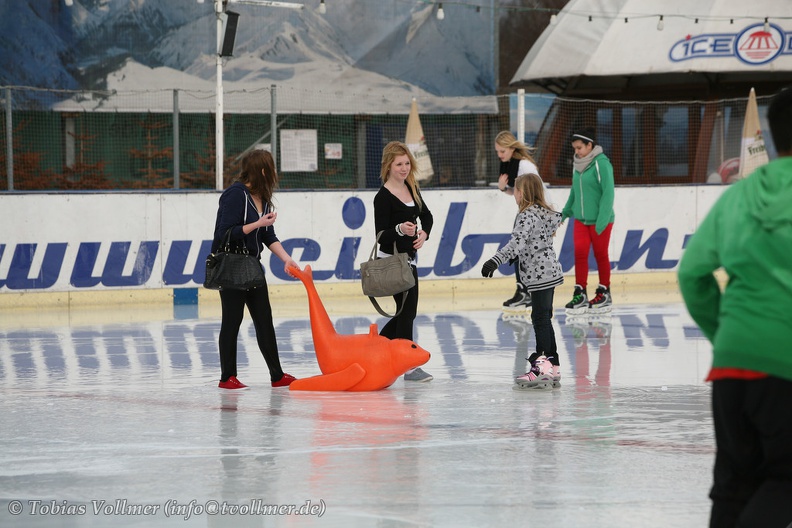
[589, 15]
[554, 12]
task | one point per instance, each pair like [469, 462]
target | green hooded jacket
[591, 196]
[748, 232]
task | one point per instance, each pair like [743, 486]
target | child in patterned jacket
[540, 272]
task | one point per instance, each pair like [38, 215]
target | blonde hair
[532, 189]
[391, 151]
[522, 151]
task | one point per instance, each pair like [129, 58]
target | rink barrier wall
[142, 247]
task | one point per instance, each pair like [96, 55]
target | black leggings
[401, 326]
[233, 304]
[542, 319]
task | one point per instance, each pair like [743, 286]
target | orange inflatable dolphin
[360, 362]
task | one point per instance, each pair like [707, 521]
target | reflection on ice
[131, 412]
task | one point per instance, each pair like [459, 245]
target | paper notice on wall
[334, 151]
[417, 144]
[753, 153]
[299, 151]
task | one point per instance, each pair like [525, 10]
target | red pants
[586, 237]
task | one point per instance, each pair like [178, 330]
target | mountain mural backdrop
[357, 46]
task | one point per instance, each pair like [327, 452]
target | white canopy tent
[597, 46]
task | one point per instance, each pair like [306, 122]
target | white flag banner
[753, 153]
[417, 144]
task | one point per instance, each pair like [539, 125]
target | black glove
[489, 268]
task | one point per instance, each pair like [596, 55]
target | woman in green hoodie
[590, 203]
[748, 233]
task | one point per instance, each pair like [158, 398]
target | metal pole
[219, 150]
[9, 141]
[496, 44]
[521, 115]
[176, 168]
[273, 125]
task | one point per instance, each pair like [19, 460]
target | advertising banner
[96, 241]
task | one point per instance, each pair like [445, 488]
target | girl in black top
[398, 206]
[516, 160]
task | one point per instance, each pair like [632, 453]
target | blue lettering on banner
[753, 45]
[144, 264]
[112, 276]
[21, 263]
[346, 267]
[173, 274]
[84, 265]
[179, 270]
[353, 213]
[311, 251]
[716, 45]
[653, 247]
[472, 246]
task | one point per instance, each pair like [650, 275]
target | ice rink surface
[122, 424]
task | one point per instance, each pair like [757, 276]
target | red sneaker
[285, 381]
[232, 383]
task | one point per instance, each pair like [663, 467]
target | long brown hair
[532, 189]
[259, 174]
[522, 151]
[389, 153]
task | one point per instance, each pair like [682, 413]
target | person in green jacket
[590, 203]
[748, 233]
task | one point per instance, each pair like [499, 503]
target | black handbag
[233, 268]
[386, 277]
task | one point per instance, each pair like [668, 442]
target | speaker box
[229, 35]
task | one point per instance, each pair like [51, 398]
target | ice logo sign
[753, 45]
[757, 46]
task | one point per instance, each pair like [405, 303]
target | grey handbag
[386, 277]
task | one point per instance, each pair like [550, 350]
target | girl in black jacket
[246, 209]
[398, 206]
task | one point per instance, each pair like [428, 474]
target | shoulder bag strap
[373, 253]
[377, 307]
[244, 221]
[386, 314]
